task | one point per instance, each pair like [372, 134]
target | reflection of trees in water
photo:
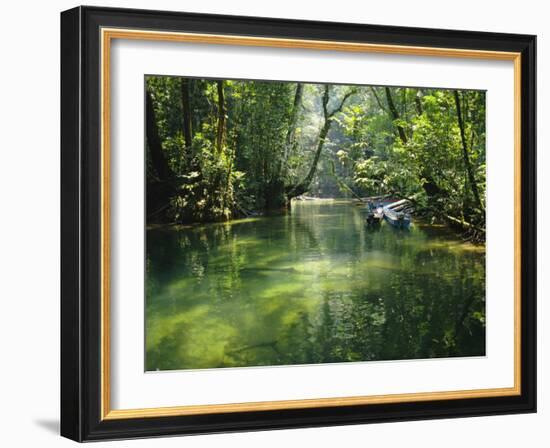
[195, 252]
[321, 226]
[433, 305]
[407, 320]
[311, 288]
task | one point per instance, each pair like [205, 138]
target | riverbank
[418, 220]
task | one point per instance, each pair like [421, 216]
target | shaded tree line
[219, 149]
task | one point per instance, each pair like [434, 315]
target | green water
[312, 286]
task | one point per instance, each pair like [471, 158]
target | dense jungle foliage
[220, 149]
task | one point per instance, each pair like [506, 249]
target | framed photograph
[275, 224]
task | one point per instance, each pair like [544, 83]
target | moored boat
[397, 219]
[374, 215]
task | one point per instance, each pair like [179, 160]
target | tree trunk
[221, 118]
[418, 104]
[186, 109]
[158, 161]
[161, 189]
[303, 186]
[292, 124]
[373, 90]
[274, 191]
[430, 186]
[395, 116]
[467, 164]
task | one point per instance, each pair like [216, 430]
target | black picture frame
[81, 224]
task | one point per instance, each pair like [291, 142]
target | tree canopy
[220, 149]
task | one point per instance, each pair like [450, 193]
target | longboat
[397, 219]
[375, 214]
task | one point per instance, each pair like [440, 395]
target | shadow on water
[313, 286]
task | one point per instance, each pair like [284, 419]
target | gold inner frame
[107, 35]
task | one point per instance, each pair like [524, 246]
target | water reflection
[314, 286]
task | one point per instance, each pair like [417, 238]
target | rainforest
[271, 223]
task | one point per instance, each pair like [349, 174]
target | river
[312, 286]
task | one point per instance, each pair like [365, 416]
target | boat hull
[373, 219]
[400, 224]
[397, 220]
